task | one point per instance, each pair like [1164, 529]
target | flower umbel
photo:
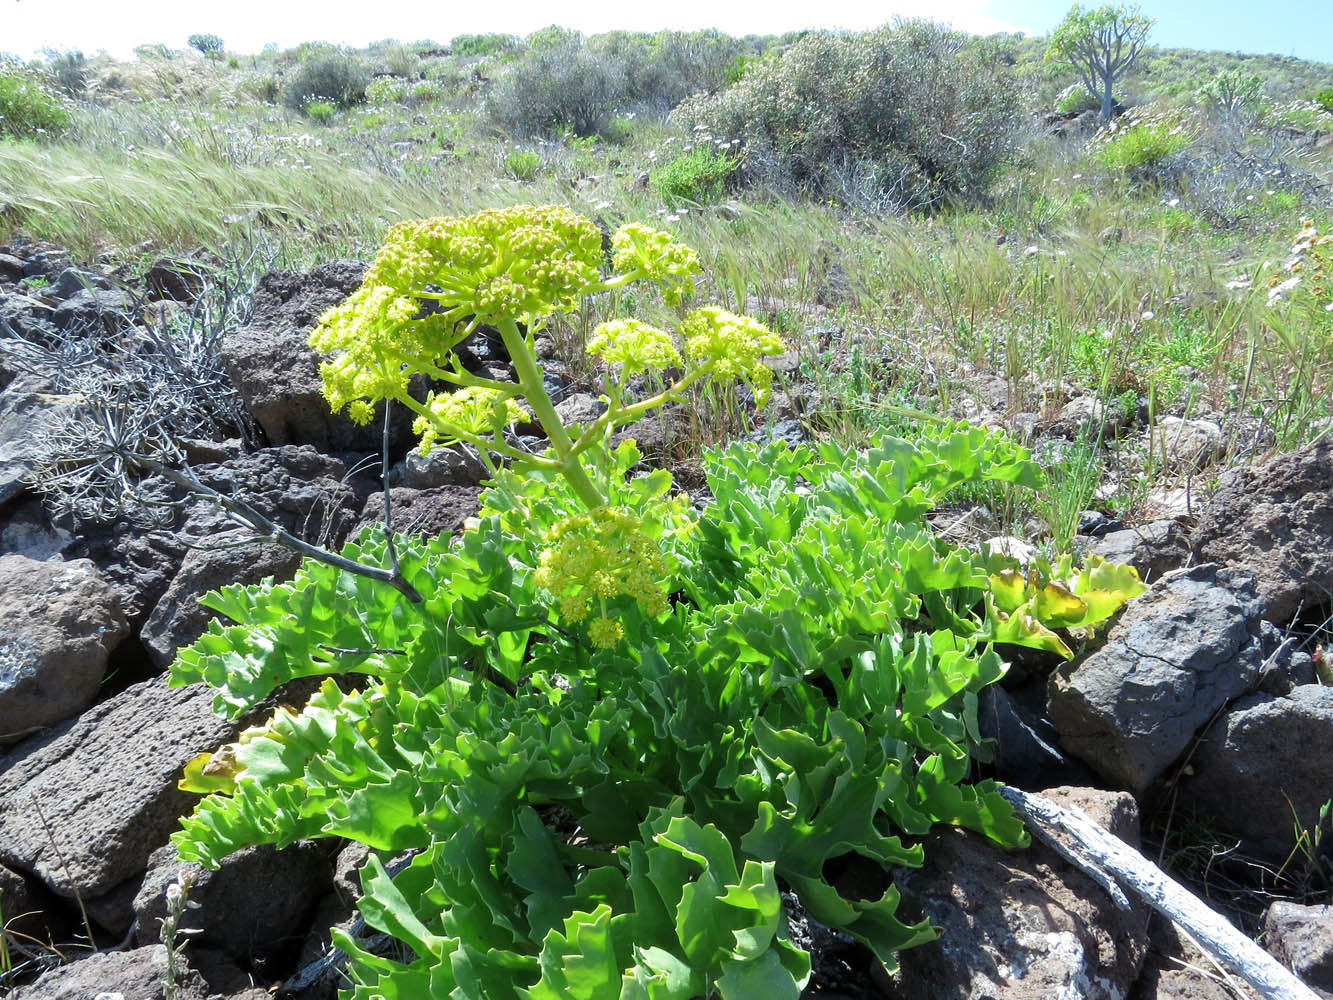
[635, 345]
[658, 257]
[591, 559]
[474, 410]
[734, 346]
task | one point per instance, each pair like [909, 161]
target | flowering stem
[530, 378]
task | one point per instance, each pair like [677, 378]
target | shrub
[699, 175]
[335, 78]
[70, 70]
[1324, 99]
[551, 86]
[1141, 145]
[1076, 97]
[28, 110]
[427, 91]
[522, 164]
[400, 60]
[321, 112]
[387, 90]
[911, 105]
[471, 46]
[663, 69]
[209, 45]
[619, 131]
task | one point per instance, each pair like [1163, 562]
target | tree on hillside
[209, 45]
[1101, 45]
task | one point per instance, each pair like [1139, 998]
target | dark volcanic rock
[1277, 519]
[104, 786]
[256, 903]
[1021, 925]
[1180, 652]
[129, 975]
[1265, 758]
[231, 557]
[1301, 938]
[58, 623]
[438, 511]
[277, 372]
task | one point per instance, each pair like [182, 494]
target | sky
[1301, 28]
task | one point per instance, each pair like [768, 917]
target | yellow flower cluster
[1309, 269]
[472, 410]
[658, 257]
[435, 280]
[596, 557]
[638, 346]
[522, 262]
[734, 345]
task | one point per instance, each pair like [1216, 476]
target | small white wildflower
[1149, 314]
[1172, 203]
[1032, 251]
[1076, 177]
[673, 217]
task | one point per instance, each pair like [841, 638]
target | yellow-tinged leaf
[210, 772]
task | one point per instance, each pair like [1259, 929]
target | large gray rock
[83, 806]
[23, 416]
[438, 511]
[1021, 925]
[1278, 519]
[303, 491]
[230, 557]
[127, 975]
[58, 623]
[1180, 652]
[457, 465]
[1154, 549]
[277, 372]
[1263, 767]
[255, 904]
[1301, 938]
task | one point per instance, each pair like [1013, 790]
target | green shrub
[1076, 97]
[1142, 145]
[1324, 99]
[698, 176]
[619, 131]
[522, 164]
[321, 112]
[426, 91]
[387, 90]
[471, 46]
[910, 110]
[334, 78]
[664, 68]
[28, 110]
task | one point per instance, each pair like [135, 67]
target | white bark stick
[1100, 852]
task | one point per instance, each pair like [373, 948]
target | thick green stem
[530, 378]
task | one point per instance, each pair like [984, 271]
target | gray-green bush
[560, 85]
[907, 114]
[338, 79]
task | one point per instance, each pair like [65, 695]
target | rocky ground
[1199, 718]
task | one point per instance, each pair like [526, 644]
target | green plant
[70, 70]
[605, 725]
[338, 79]
[522, 164]
[207, 44]
[698, 176]
[471, 46]
[1324, 99]
[387, 90]
[557, 83]
[321, 112]
[27, 109]
[906, 114]
[1101, 45]
[1142, 145]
